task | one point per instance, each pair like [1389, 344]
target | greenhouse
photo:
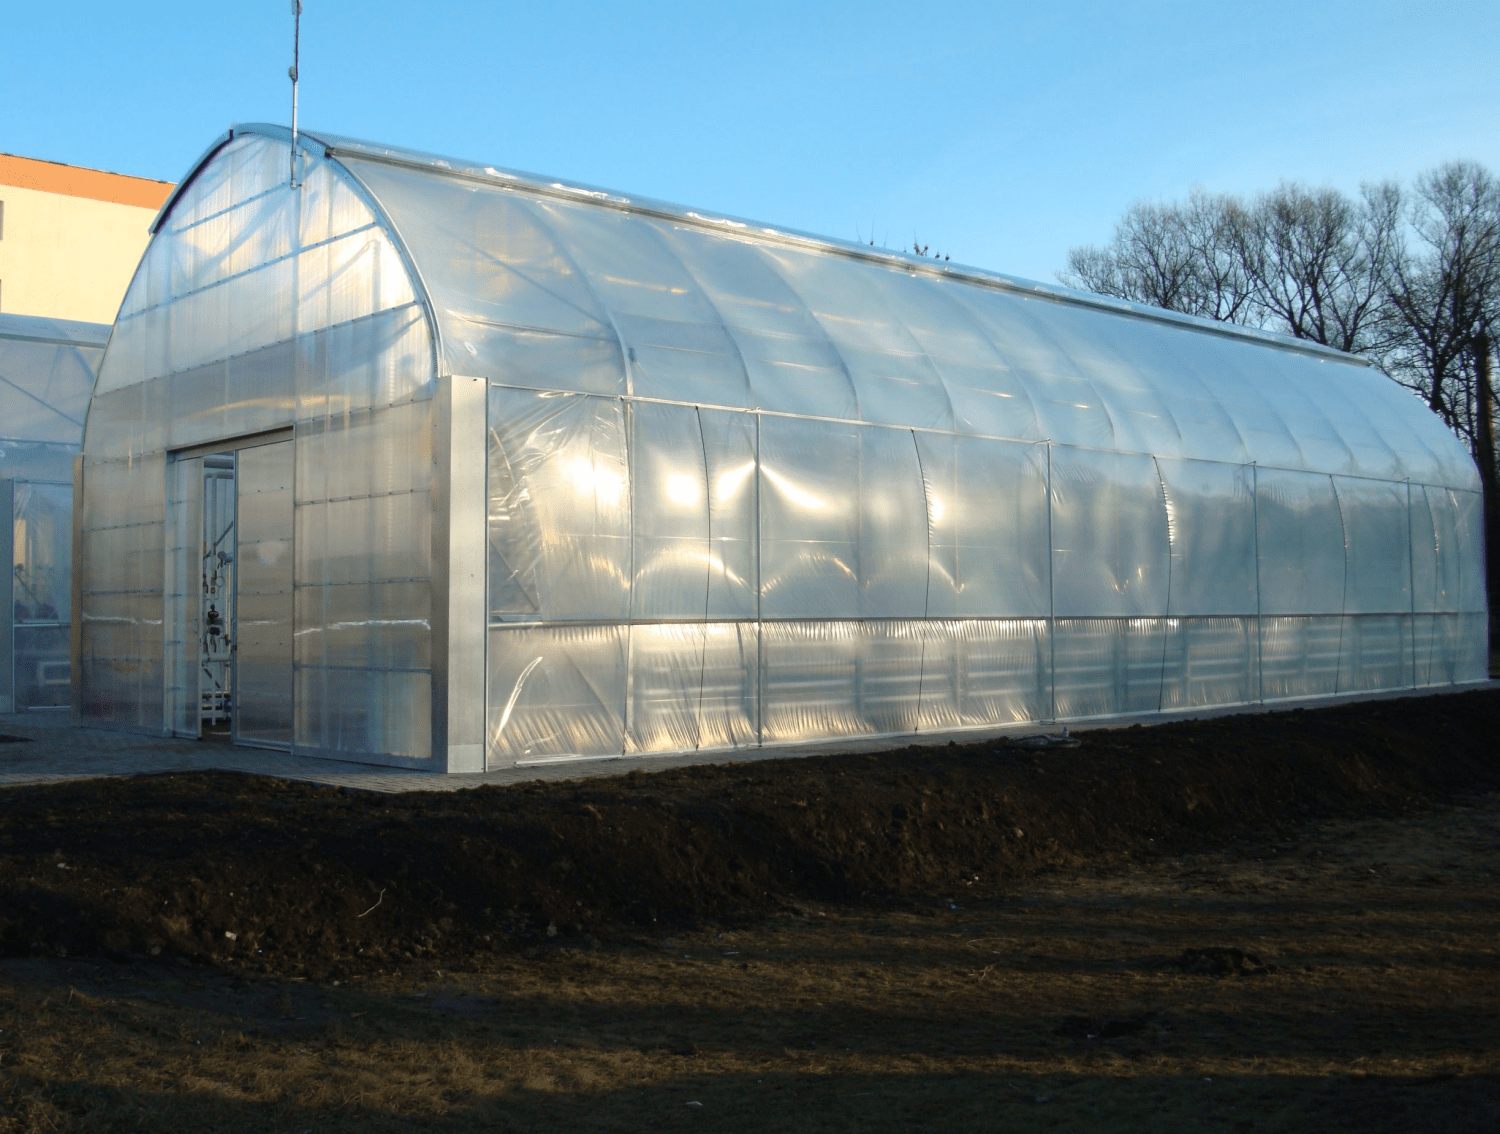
[399, 459]
[47, 369]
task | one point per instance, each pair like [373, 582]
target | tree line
[1406, 275]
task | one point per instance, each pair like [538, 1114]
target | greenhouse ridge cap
[335, 146]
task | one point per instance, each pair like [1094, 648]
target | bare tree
[1316, 258]
[1444, 289]
[1411, 280]
[1179, 257]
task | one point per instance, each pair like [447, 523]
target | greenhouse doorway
[230, 602]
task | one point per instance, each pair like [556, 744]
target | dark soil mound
[266, 875]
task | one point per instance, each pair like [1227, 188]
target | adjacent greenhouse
[47, 369]
[426, 463]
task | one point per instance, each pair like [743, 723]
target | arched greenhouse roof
[541, 284]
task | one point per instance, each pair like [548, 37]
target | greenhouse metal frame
[491, 469]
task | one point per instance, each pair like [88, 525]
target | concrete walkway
[51, 748]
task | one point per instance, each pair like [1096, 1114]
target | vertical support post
[75, 582]
[1051, 599]
[1260, 638]
[8, 597]
[293, 74]
[760, 625]
[459, 615]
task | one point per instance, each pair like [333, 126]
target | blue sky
[1001, 133]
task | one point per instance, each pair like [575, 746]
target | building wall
[70, 238]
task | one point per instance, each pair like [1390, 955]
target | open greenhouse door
[229, 608]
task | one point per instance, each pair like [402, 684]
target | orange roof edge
[76, 181]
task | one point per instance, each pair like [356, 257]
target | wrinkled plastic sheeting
[1110, 548]
[559, 499]
[548, 293]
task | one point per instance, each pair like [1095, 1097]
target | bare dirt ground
[1288, 922]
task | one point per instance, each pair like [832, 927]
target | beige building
[70, 238]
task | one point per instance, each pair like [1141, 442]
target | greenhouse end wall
[47, 369]
[262, 312]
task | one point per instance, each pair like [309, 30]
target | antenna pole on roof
[292, 74]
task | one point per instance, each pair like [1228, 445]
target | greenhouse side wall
[667, 578]
[748, 487]
[260, 313]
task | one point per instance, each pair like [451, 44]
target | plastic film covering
[750, 487]
[263, 600]
[921, 498]
[258, 307]
[664, 303]
[47, 369]
[183, 622]
[1110, 549]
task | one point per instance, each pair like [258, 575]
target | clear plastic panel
[365, 625]
[263, 595]
[365, 453]
[693, 686]
[365, 539]
[1473, 647]
[894, 539]
[1064, 401]
[183, 591]
[370, 362]
[1434, 549]
[556, 691]
[364, 712]
[44, 386]
[1301, 541]
[1209, 661]
[810, 681]
[1108, 666]
[1435, 648]
[1300, 657]
[892, 380]
[693, 477]
[1469, 550]
[1379, 556]
[1211, 519]
[987, 515]
[982, 673]
[1110, 551]
[41, 552]
[1106, 357]
[1376, 653]
[488, 256]
[329, 206]
[678, 346]
[809, 519]
[41, 546]
[559, 507]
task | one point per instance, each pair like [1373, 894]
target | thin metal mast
[292, 74]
